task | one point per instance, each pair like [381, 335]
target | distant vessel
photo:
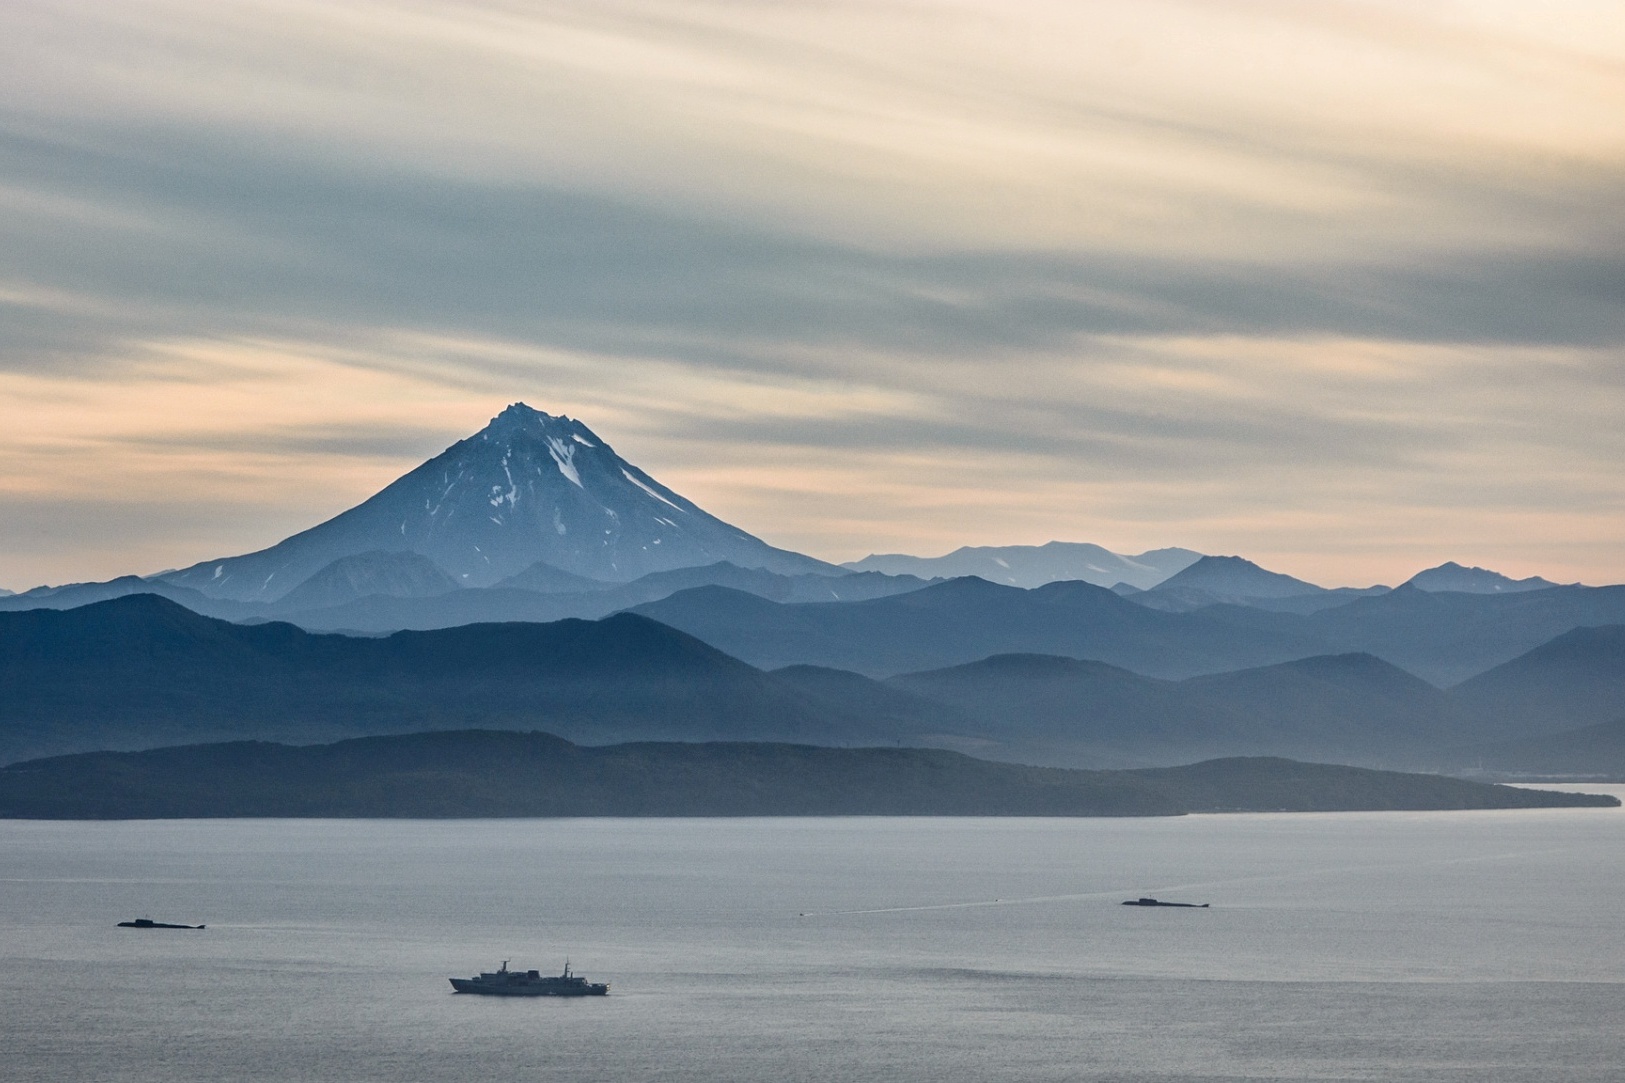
[1145, 900]
[528, 983]
[148, 923]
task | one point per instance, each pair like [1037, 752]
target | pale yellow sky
[1336, 285]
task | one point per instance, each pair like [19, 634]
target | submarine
[1146, 900]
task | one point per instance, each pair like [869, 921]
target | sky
[1337, 286]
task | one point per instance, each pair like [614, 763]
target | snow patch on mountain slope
[628, 475]
[564, 456]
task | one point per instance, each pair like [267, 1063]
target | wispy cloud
[1266, 276]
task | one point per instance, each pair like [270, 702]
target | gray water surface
[1356, 946]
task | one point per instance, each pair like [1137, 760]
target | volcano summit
[529, 488]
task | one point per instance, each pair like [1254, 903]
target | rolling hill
[140, 671]
[1345, 709]
[1442, 637]
[965, 620]
[1587, 752]
[1576, 679]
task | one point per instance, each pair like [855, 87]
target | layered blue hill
[139, 671]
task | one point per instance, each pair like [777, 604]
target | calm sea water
[1431, 946]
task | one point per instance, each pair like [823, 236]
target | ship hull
[466, 985]
[143, 924]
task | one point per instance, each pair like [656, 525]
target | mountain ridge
[1455, 578]
[139, 670]
[1223, 579]
[1352, 709]
[1575, 679]
[963, 620]
[1035, 565]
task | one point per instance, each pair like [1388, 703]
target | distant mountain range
[1452, 577]
[377, 613]
[1519, 718]
[535, 504]
[485, 773]
[1443, 638]
[139, 671]
[1215, 580]
[1035, 565]
[493, 557]
[379, 592]
[1236, 581]
[963, 620]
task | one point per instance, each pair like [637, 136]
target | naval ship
[528, 983]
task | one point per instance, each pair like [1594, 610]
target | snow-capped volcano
[528, 488]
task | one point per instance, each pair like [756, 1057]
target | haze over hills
[963, 620]
[139, 671]
[74, 595]
[528, 487]
[1442, 638]
[1575, 680]
[385, 592]
[1039, 708]
[379, 613]
[1592, 752]
[543, 578]
[373, 574]
[1035, 565]
[1352, 709]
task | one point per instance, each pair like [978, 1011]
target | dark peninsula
[486, 773]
